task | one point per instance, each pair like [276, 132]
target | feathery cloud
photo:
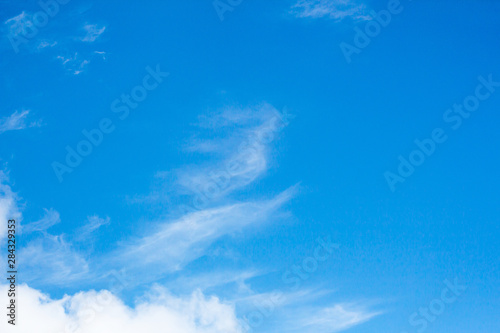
[52, 260]
[94, 222]
[175, 243]
[336, 318]
[21, 24]
[50, 218]
[333, 9]
[241, 147]
[93, 31]
[17, 121]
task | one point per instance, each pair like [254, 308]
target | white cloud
[52, 260]
[101, 53]
[93, 32]
[21, 24]
[213, 279]
[160, 311]
[175, 243]
[94, 222]
[50, 218]
[298, 311]
[336, 318]
[17, 121]
[45, 43]
[102, 312]
[169, 246]
[74, 64]
[333, 9]
[242, 147]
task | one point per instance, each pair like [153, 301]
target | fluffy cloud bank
[102, 312]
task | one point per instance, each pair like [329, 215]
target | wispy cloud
[53, 260]
[336, 318]
[240, 142]
[216, 279]
[17, 121]
[50, 218]
[241, 150]
[332, 9]
[94, 222]
[74, 64]
[46, 43]
[68, 47]
[101, 53]
[21, 24]
[299, 311]
[175, 243]
[93, 31]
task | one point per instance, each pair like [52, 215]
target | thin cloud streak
[332, 9]
[176, 243]
[50, 218]
[336, 318]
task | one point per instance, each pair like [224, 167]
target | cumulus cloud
[103, 312]
[333, 9]
[17, 121]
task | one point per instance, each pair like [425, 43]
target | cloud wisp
[241, 150]
[17, 121]
[93, 32]
[336, 318]
[176, 243]
[332, 9]
[50, 218]
[94, 222]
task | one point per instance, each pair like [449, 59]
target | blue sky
[254, 147]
